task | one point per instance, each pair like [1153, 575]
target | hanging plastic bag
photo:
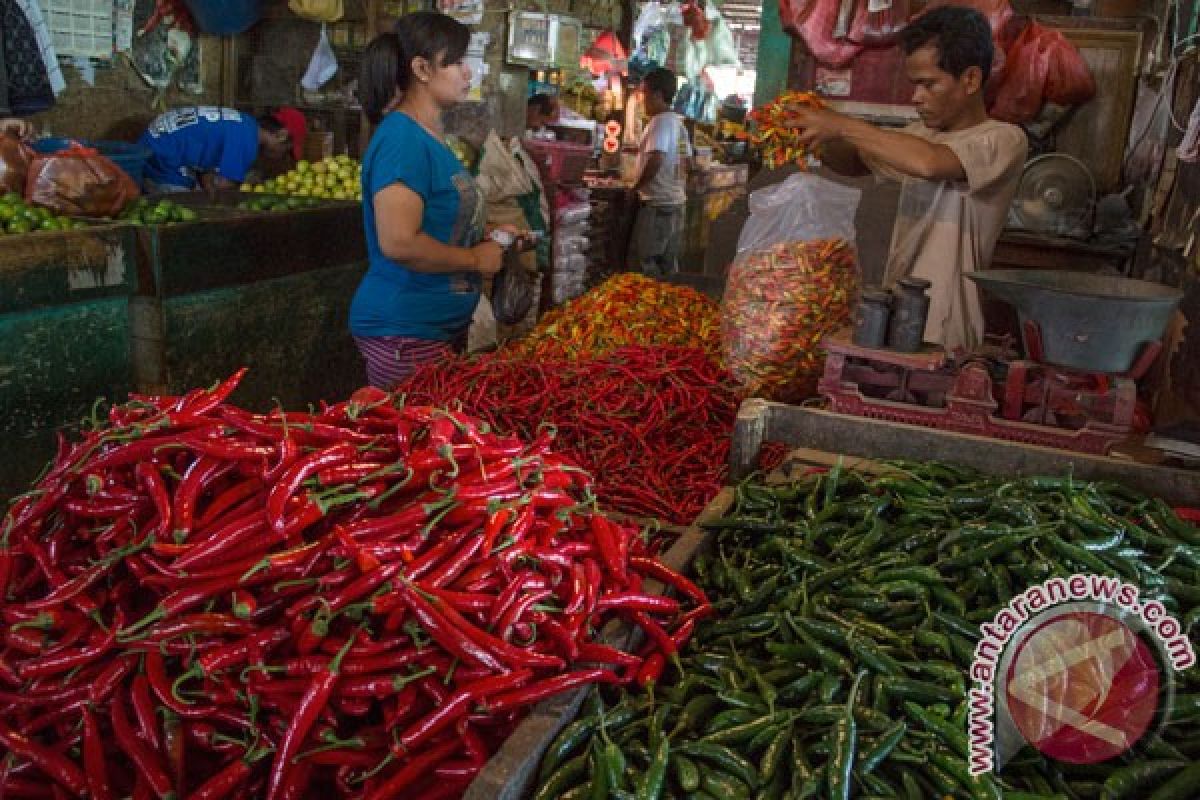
[814, 21]
[885, 21]
[794, 281]
[322, 66]
[1043, 67]
[79, 181]
[15, 158]
[513, 290]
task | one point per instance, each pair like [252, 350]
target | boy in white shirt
[663, 156]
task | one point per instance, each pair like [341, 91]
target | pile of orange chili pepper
[627, 309]
[779, 303]
[773, 134]
[361, 601]
[652, 425]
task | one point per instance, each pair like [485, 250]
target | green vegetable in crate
[792, 678]
[17, 217]
[156, 212]
[277, 203]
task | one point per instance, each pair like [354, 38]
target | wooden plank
[860, 436]
[510, 773]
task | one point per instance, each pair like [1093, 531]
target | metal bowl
[1088, 322]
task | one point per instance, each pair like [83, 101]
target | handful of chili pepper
[627, 310]
[774, 134]
[652, 425]
[359, 601]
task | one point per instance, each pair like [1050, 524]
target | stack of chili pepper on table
[652, 425]
[779, 303]
[203, 602]
[626, 310]
[773, 134]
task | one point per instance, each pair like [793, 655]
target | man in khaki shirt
[959, 168]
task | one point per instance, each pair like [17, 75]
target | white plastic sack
[322, 65]
[805, 206]
[482, 333]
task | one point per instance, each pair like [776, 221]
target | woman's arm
[398, 212]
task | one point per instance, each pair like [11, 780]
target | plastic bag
[794, 281]
[885, 21]
[513, 290]
[15, 157]
[805, 206]
[814, 21]
[1043, 67]
[79, 181]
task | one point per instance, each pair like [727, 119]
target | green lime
[187, 215]
[19, 226]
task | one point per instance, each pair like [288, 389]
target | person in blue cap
[213, 148]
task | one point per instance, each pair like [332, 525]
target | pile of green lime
[16, 216]
[277, 203]
[156, 212]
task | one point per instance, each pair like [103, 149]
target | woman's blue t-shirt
[392, 299]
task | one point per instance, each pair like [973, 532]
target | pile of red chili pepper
[774, 133]
[779, 303]
[626, 310]
[203, 602]
[651, 424]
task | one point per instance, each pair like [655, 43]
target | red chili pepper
[289, 482]
[549, 687]
[311, 706]
[56, 766]
[650, 670]
[198, 477]
[143, 757]
[444, 633]
[654, 604]
[660, 572]
[94, 761]
[410, 772]
[223, 783]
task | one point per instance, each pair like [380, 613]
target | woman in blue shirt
[423, 213]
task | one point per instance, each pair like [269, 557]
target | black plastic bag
[513, 290]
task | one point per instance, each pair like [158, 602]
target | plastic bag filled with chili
[794, 281]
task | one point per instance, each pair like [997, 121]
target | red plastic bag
[79, 181]
[15, 157]
[814, 21]
[1043, 68]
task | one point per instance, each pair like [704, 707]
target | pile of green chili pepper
[848, 612]
[651, 424]
[360, 601]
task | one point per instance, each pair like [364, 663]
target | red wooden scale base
[990, 392]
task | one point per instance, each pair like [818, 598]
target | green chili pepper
[844, 746]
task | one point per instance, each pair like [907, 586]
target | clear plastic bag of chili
[795, 280]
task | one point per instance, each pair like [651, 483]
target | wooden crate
[760, 421]
[510, 773]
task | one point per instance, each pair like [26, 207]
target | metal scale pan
[1088, 322]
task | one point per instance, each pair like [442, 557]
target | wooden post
[749, 433]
